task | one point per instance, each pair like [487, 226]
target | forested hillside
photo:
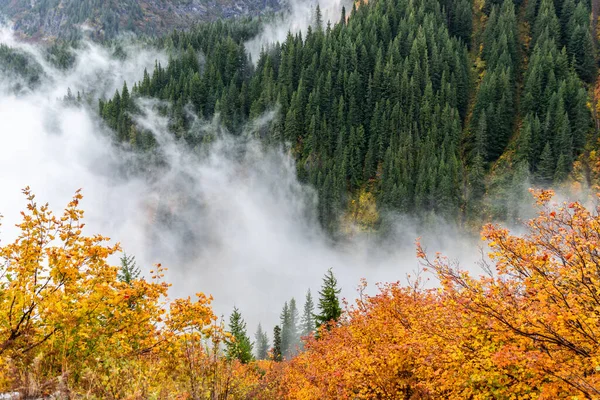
[67, 19]
[402, 101]
[440, 110]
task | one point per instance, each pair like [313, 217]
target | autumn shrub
[527, 328]
[69, 327]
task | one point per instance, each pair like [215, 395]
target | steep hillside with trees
[66, 19]
[400, 100]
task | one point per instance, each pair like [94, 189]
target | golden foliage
[527, 329]
[362, 214]
[70, 328]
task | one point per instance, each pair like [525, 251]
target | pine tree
[329, 304]
[476, 181]
[294, 334]
[277, 355]
[262, 343]
[546, 166]
[240, 346]
[307, 324]
[129, 271]
[286, 329]
[318, 18]
[125, 99]
[562, 169]
[581, 46]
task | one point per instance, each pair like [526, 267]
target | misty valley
[302, 199]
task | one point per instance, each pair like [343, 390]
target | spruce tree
[307, 323]
[546, 166]
[286, 329]
[240, 346]
[129, 271]
[262, 344]
[277, 355]
[562, 169]
[294, 330]
[329, 304]
[318, 19]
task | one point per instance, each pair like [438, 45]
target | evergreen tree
[318, 18]
[307, 324]
[240, 346]
[294, 332]
[286, 329]
[329, 304]
[277, 355]
[547, 166]
[380, 99]
[262, 343]
[128, 271]
[341, 92]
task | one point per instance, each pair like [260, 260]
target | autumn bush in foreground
[69, 327]
[526, 329]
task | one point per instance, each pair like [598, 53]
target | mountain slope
[104, 19]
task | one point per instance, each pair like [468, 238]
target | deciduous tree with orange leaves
[542, 301]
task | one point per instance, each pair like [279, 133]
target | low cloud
[229, 219]
[298, 16]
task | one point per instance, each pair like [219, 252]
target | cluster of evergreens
[386, 99]
[292, 328]
[21, 67]
[210, 62]
[556, 119]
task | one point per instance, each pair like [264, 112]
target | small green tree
[129, 271]
[262, 343]
[293, 331]
[286, 334]
[329, 304]
[277, 344]
[307, 323]
[239, 347]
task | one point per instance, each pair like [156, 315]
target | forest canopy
[432, 108]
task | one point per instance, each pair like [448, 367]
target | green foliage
[347, 96]
[23, 70]
[494, 112]
[307, 323]
[277, 355]
[239, 347]
[380, 100]
[329, 304]
[129, 271]
[554, 101]
[290, 338]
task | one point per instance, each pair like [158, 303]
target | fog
[239, 225]
[297, 17]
